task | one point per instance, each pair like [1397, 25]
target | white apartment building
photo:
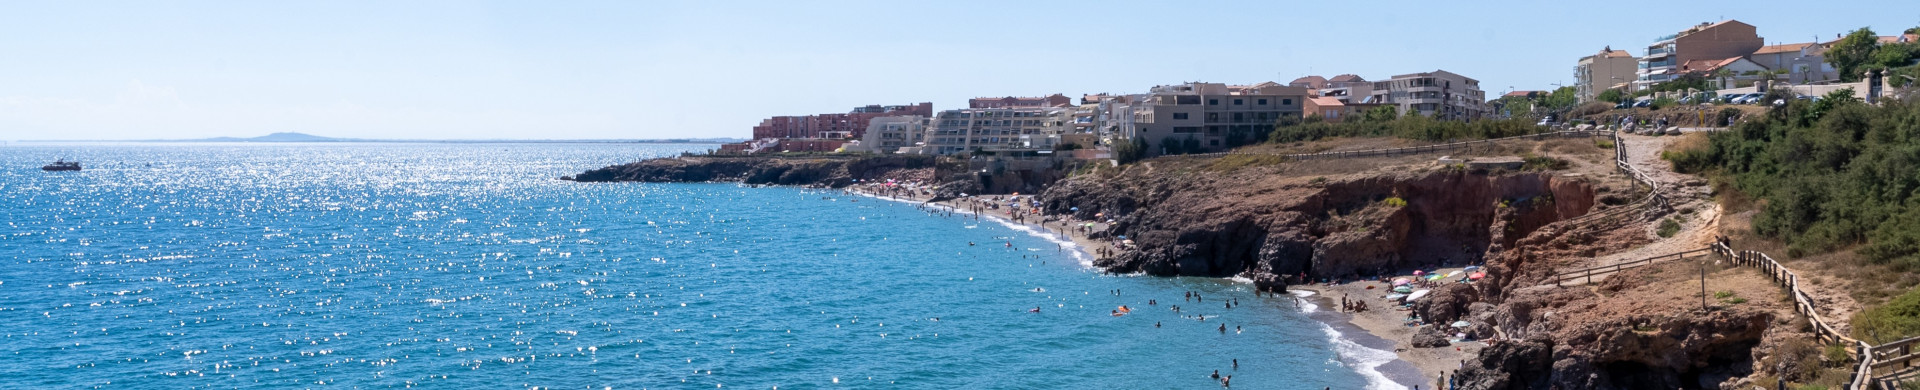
[995, 129]
[1440, 94]
[888, 134]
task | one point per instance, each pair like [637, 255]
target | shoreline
[1385, 323]
[1360, 341]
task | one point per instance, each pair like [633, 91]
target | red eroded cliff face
[1268, 226]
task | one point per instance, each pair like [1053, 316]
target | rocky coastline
[1337, 231]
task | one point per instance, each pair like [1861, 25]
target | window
[1239, 102]
[1213, 117]
[1213, 142]
[1263, 102]
[1186, 99]
[1286, 102]
[1179, 115]
[1186, 129]
[1238, 117]
[1213, 102]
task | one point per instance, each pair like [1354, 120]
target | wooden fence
[1585, 275]
[1869, 356]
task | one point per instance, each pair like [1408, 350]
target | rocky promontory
[832, 172]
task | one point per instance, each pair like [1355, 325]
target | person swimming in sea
[1223, 328]
[1216, 375]
[969, 243]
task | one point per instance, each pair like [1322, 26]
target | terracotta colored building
[850, 125]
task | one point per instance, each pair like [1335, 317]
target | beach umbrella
[1403, 289]
[1395, 296]
[1075, 208]
[1472, 267]
[1454, 273]
[1417, 294]
[1477, 275]
[1419, 272]
[1461, 324]
[1401, 281]
[1436, 277]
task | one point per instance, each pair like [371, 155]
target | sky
[670, 69]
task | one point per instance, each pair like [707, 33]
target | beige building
[1440, 94]
[1707, 41]
[888, 134]
[1602, 71]
[996, 129]
[1216, 116]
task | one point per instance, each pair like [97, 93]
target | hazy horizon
[617, 70]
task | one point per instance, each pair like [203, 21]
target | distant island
[303, 137]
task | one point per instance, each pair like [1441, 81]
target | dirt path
[1694, 209]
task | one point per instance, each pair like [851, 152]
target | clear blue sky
[644, 69]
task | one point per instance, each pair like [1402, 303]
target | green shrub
[1669, 227]
[1894, 320]
[1409, 127]
[1603, 143]
[1396, 202]
[1722, 294]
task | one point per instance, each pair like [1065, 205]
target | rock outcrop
[1205, 225]
[819, 172]
[1429, 337]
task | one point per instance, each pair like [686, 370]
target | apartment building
[1706, 41]
[850, 125]
[888, 134]
[1218, 116]
[1440, 94]
[1054, 100]
[1348, 89]
[1804, 62]
[995, 129]
[1602, 71]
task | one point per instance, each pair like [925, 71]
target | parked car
[1643, 103]
[1728, 98]
[1624, 105]
[1751, 98]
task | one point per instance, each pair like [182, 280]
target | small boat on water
[62, 165]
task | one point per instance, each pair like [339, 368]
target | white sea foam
[1364, 360]
[1079, 254]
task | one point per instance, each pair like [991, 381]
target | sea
[431, 265]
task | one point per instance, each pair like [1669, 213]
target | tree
[1127, 151]
[1610, 96]
[1381, 114]
[1560, 99]
[1851, 53]
[1170, 146]
[1191, 145]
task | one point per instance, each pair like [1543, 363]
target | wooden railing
[1870, 357]
[1585, 275]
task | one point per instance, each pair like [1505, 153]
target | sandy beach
[1387, 321]
[1382, 327]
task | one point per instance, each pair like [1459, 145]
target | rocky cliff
[1226, 224]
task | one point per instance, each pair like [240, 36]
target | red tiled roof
[1346, 78]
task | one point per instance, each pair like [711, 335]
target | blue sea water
[468, 265]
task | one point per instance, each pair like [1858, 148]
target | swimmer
[1216, 374]
[1156, 324]
[1223, 328]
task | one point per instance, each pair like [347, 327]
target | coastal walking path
[1698, 227]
